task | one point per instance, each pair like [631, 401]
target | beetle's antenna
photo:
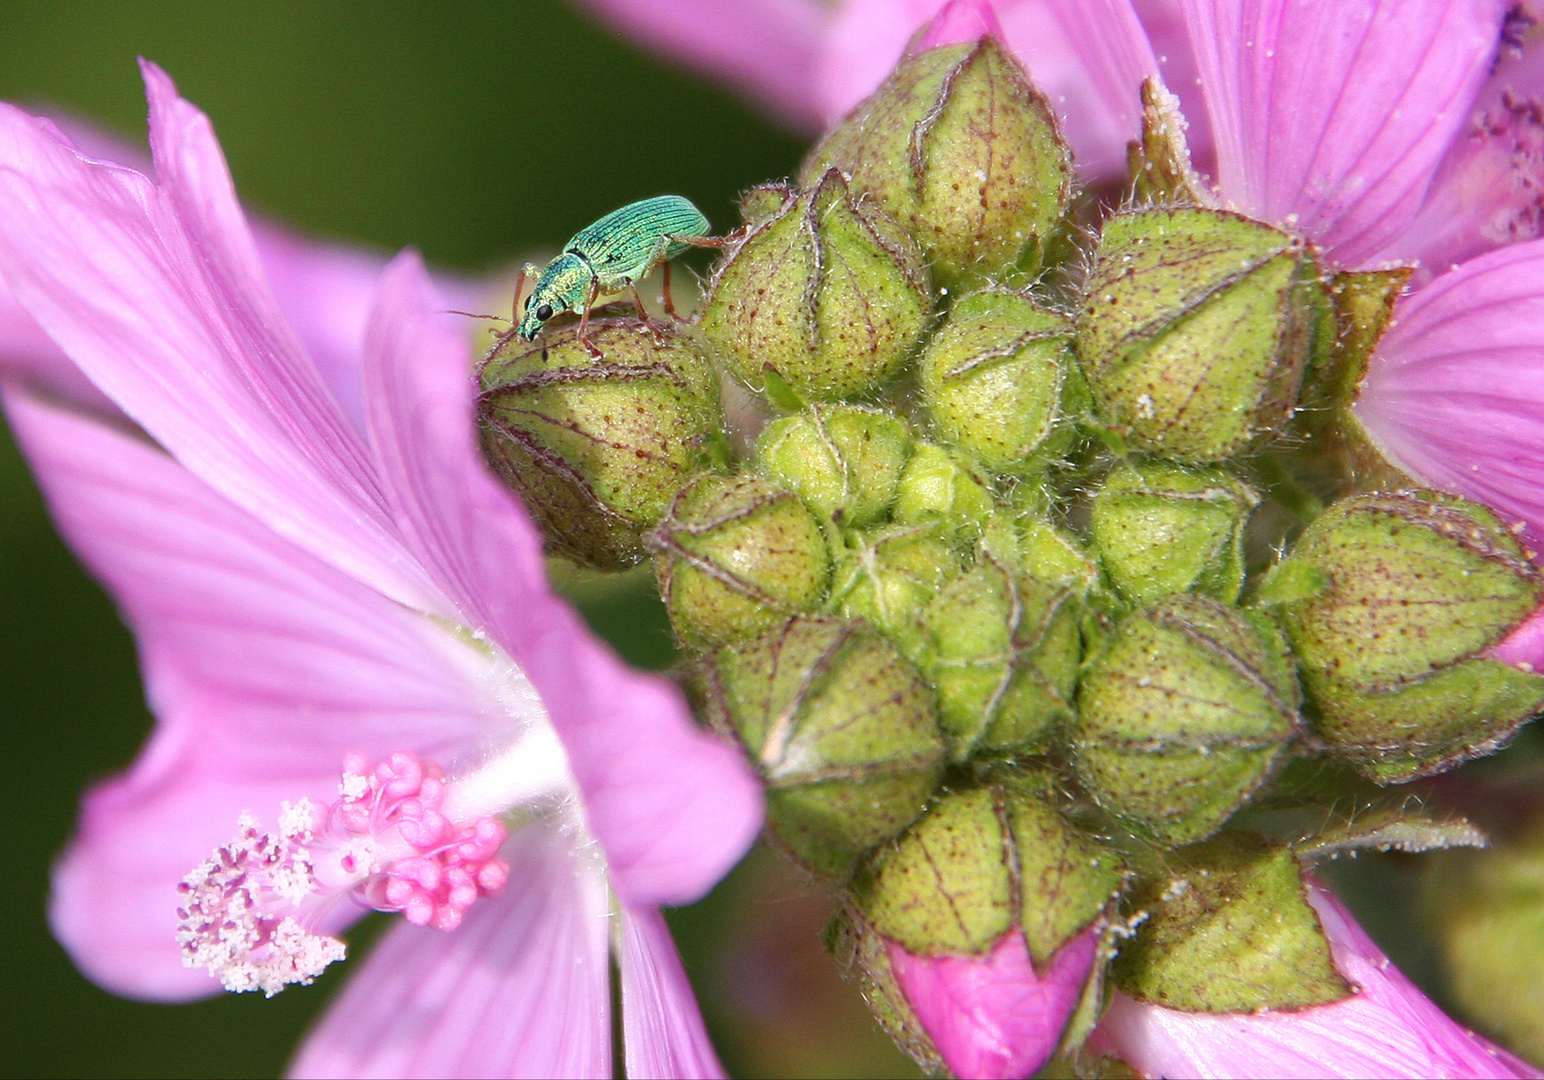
[503, 337]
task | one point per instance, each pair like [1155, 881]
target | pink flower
[275, 473]
[1387, 1028]
[996, 1016]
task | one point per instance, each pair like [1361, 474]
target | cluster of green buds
[1056, 574]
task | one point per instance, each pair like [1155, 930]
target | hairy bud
[1162, 529]
[844, 461]
[826, 296]
[976, 933]
[1229, 930]
[841, 728]
[888, 577]
[597, 448]
[959, 148]
[1390, 600]
[938, 489]
[992, 379]
[736, 556]
[1184, 714]
[1002, 650]
[1196, 330]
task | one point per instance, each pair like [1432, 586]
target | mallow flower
[367, 694]
[1387, 134]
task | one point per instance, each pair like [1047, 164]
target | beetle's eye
[544, 312]
[528, 300]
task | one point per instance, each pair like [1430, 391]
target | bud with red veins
[960, 149]
[401, 837]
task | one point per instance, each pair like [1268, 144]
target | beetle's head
[562, 286]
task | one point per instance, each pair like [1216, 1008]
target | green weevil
[611, 255]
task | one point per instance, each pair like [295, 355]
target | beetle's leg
[584, 320]
[669, 304]
[716, 242]
[648, 321]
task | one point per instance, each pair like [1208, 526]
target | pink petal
[766, 48]
[961, 22]
[1089, 58]
[157, 293]
[1339, 113]
[662, 1030]
[521, 988]
[1387, 1029]
[1489, 189]
[1100, 105]
[1455, 395]
[27, 353]
[1524, 646]
[673, 806]
[862, 44]
[265, 666]
[326, 292]
[995, 1016]
[269, 661]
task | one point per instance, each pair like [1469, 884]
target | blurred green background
[477, 132]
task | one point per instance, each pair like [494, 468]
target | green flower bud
[889, 577]
[1162, 529]
[980, 862]
[1390, 600]
[1488, 909]
[1196, 329]
[843, 461]
[1229, 930]
[992, 380]
[937, 489]
[1002, 650]
[1183, 715]
[1054, 555]
[736, 556]
[843, 732]
[597, 448]
[827, 296]
[959, 148]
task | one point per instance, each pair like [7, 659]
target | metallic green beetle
[611, 255]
